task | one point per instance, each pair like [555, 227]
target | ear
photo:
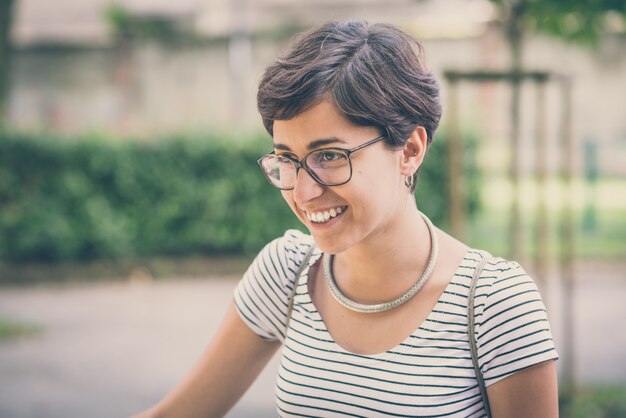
[414, 151]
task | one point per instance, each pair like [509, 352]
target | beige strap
[471, 331]
[292, 295]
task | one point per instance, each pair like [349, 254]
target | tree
[580, 21]
[6, 18]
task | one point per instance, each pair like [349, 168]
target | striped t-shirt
[430, 374]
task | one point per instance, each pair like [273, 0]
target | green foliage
[432, 191]
[574, 20]
[91, 198]
[88, 199]
[125, 25]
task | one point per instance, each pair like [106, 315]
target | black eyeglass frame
[302, 163]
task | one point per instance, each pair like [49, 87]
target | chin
[331, 243]
[328, 248]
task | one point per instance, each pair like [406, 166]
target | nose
[306, 188]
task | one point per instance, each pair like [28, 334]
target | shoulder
[286, 252]
[504, 285]
[277, 263]
[512, 324]
[261, 297]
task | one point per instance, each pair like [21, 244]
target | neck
[388, 262]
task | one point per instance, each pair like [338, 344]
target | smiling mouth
[325, 215]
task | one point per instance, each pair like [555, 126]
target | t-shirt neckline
[420, 331]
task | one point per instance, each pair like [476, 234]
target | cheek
[379, 190]
[381, 180]
[288, 196]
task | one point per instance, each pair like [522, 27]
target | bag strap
[292, 294]
[471, 331]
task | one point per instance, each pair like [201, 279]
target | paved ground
[110, 349]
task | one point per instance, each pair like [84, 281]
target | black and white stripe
[430, 374]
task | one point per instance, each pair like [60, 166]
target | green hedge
[92, 198]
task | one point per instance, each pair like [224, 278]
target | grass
[597, 401]
[10, 329]
[603, 240]
[598, 210]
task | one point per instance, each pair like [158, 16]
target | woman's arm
[529, 393]
[228, 366]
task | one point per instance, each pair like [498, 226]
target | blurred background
[131, 202]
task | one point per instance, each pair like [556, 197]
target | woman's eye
[330, 156]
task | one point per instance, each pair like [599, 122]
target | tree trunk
[6, 18]
[515, 39]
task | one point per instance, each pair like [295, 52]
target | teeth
[325, 215]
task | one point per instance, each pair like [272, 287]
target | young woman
[376, 324]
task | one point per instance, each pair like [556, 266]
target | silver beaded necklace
[385, 306]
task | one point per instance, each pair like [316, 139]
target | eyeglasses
[327, 166]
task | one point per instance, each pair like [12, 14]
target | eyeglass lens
[330, 167]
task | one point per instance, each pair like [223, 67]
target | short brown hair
[374, 74]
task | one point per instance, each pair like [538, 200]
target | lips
[323, 216]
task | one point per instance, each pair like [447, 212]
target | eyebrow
[313, 145]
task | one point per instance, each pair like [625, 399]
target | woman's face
[359, 211]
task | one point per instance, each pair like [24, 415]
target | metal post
[455, 165]
[515, 171]
[567, 242]
[541, 169]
